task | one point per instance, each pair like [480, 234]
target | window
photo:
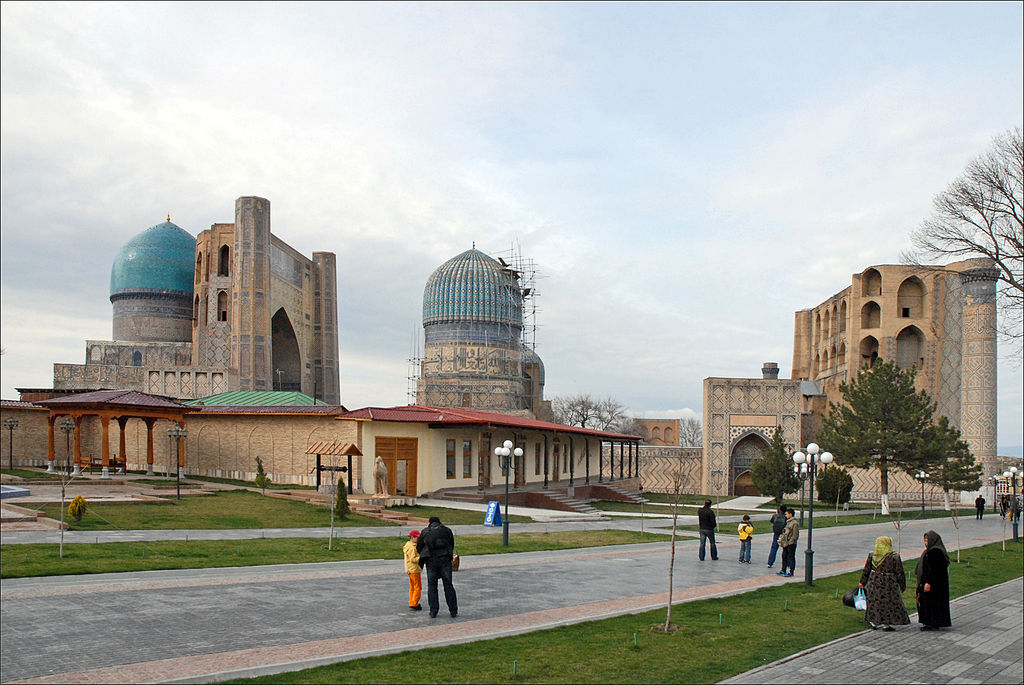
[223, 261]
[136, 358]
[905, 312]
[536, 459]
[222, 306]
[449, 462]
[467, 458]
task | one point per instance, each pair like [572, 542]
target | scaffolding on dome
[497, 375]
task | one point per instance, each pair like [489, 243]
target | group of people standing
[785, 534]
[884, 582]
[432, 549]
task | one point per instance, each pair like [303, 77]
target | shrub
[262, 479]
[341, 509]
[77, 507]
[834, 482]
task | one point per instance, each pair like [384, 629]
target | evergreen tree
[955, 467]
[262, 479]
[883, 423]
[833, 485]
[773, 475]
[341, 500]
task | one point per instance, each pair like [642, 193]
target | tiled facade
[258, 316]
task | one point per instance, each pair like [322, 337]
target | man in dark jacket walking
[435, 546]
[778, 523]
[706, 523]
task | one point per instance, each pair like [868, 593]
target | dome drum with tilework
[151, 286]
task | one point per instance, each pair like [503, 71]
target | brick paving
[984, 645]
[211, 624]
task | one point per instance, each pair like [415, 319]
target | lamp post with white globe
[811, 458]
[1013, 474]
[504, 452]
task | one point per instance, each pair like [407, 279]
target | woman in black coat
[932, 573]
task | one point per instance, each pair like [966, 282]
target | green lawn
[684, 509]
[43, 560]
[221, 510]
[718, 638]
[824, 520]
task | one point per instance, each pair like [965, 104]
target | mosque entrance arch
[750, 448]
[286, 362]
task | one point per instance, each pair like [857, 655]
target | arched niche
[868, 350]
[910, 298]
[910, 348]
[749, 449]
[842, 316]
[871, 283]
[224, 261]
[286, 362]
[870, 315]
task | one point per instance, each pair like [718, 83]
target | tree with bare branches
[691, 433]
[981, 214]
[586, 411]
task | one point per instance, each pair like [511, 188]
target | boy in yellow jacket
[746, 531]
[412, 568]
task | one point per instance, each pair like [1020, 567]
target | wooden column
[105, 445]
[586, 445]
[149, 446]
[78, 439]
[122, 421]
[50, 420]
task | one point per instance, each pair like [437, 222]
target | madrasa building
[235, 309]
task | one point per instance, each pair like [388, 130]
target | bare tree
[588, 412]
[691, 433]
[981, 214]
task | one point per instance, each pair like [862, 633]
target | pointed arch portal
[286, 362]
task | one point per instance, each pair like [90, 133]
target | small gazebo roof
[112, 399]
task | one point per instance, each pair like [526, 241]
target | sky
[684, 176]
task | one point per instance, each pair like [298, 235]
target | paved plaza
[212, 624]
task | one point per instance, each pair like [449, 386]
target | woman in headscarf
[932, 573]
[883, 581]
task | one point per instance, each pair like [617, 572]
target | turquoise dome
[472, 287]
[160, 259]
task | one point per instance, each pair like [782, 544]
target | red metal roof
[437, 415]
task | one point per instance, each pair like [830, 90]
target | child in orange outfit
[412, 567]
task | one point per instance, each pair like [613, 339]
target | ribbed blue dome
[472, 287]
[161, 258]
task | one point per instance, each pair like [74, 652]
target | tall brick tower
[978, 368]
[250, 316]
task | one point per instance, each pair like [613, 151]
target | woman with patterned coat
[884, 582]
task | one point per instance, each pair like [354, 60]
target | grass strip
[717, 638]
[18, 561]
[217, 511]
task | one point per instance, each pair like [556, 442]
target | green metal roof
[252, 398]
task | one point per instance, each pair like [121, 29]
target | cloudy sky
[685, 176]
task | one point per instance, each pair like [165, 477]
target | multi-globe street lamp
[921, 476]
[10, 424]
[800, 471]
[505, 452]
[68, 426]
[1013, 474]
[811, 459]
[174, 434]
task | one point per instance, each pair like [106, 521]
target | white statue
[380, 477]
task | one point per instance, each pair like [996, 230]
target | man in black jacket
[435, 546]
[778, 521]
[706, 523]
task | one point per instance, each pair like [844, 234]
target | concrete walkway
[983, 646]
[212, 624]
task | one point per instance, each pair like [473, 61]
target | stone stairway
[625, 495]
[563, 502]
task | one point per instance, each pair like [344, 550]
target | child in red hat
[412, 567]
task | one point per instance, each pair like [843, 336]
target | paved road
[210, 624]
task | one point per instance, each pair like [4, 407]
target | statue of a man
[380, 477]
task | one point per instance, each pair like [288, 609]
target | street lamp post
[174, 434]
[505, 452]
[67, 425]
[800, 471]
[811, 460]
[10, 424]
[921, 476]
[1012, 474]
